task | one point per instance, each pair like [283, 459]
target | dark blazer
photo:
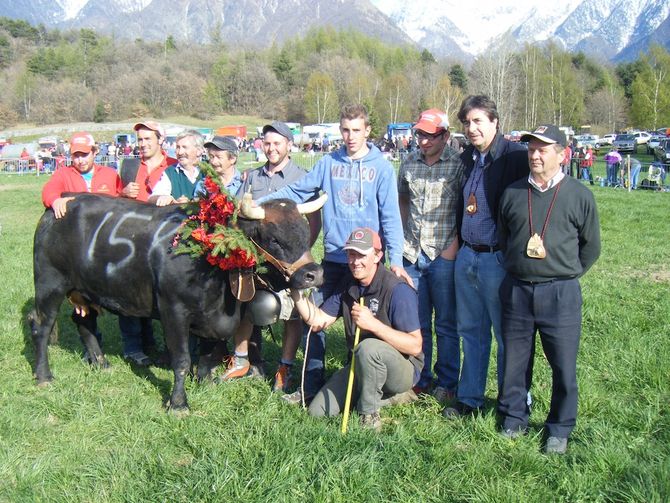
[506, 162]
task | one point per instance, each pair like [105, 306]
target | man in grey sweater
[550, 236]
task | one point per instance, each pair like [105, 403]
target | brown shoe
[371, 421]
[282, 378]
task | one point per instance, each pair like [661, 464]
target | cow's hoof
[178, 412]
[44, 382]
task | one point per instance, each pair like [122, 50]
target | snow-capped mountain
[603, 28]
[609, 29]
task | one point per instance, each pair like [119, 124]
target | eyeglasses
[422, 135]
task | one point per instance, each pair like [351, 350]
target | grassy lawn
[105, 436]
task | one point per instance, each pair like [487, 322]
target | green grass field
[104, 435]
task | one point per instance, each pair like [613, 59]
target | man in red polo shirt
[153, 160]
[82, 176]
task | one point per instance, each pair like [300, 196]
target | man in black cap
[222, 153]
[549, 233]
[277, 172]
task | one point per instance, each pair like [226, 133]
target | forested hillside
[49, 76]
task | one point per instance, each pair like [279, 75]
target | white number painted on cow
[91, 245]
[116, 240]
[160, 236]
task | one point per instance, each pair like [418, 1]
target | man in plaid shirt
[429, 183]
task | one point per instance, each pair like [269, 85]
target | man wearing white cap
[550, 236]
[138, 332]
[429, 181]
[153, 161]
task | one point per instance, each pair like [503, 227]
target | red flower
[211, 186]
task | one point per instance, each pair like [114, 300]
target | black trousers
[554, 310]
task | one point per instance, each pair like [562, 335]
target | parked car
[662, 152]
[653, 142]
[625, 143]
[641, 137]
[605, 140]
[587, 139]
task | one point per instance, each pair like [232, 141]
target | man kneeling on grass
[388, 358]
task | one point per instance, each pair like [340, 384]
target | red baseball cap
[81, 142]
[152, 125]
[431, 121]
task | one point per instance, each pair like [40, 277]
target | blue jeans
[134, 331]
[434, 281]
[333, 273]
[635, 176]
[478, 277]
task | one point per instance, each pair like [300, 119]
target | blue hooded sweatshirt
[361, 193]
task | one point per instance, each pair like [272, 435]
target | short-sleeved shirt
[260, 183]
[403, 311]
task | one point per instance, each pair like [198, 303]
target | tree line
[49, 76]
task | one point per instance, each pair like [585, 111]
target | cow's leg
[42, 321]
[176, 332]
[87, 327]
[212, 355]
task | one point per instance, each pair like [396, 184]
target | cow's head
[281, 234]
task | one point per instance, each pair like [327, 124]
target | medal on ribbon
[471, 205]
[535, 247]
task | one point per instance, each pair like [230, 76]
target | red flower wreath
[210, 229]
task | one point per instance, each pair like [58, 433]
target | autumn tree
[650, 106]
[394, 98]
[320, 98]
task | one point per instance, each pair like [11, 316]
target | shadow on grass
[67, 338]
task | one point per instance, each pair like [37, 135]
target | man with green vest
[178, 182]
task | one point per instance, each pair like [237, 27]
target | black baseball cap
[223, 143]
[547, 133]
[279, 128]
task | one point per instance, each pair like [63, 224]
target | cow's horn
[248, 210]
[312, 206]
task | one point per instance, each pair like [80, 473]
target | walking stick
[350, 384]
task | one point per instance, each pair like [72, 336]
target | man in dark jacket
[491, 164]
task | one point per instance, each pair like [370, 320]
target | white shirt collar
[552, 183]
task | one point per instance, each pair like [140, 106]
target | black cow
[117, 253]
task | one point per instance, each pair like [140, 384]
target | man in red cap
[82, 176]
[428, 185]
[388, 358]
[153, 161]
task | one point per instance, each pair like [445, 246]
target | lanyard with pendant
[471, 204]
[535, 247]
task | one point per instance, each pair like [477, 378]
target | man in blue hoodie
[362, 192]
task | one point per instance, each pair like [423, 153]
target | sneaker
[460, 410]
[512, 434]
[400, 398]
[237, 367]
[371, 421]
[282, 378]
[556, 445]
[138, 358]
[421, 390]
[443, 395]
[295, 398]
